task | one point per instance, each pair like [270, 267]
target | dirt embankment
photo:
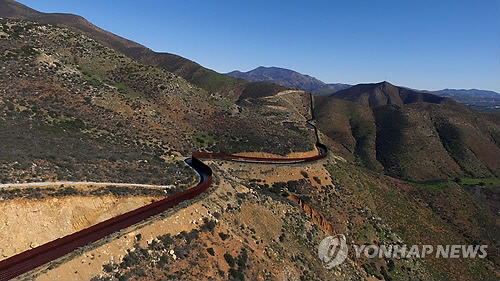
[37, 222]
[270, 155]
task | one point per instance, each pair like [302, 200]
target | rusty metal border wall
[31, 259]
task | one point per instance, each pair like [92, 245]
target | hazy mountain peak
[281, 76]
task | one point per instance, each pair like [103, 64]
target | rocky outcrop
[317, 218]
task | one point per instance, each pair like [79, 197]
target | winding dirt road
[54, 183]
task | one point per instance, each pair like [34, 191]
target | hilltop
[411, 135]
[385, 93]
[282, 76]
[287, 78]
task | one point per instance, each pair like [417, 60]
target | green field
[486, 181]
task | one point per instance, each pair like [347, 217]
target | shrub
[229, 259]
[193, 235]
[209, 225]
[391, 265]
[129, 260]
[237, 274]
[166, 239]
[28, 51]
[294, 185]
[107, 267]
[317, 179]
[211, 251]
[163, 261]
[242, 259]
[282, 237]
[223, 236]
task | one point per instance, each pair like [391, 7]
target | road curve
[31, 259]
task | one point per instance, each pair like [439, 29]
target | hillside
[403, 168]
[411, 135]
[65, 91]
[74, 109]
[189, 70]
[287, 78]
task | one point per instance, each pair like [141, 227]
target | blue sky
[420, 44]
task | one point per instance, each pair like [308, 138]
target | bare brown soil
[36, 222]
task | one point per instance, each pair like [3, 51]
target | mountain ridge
[285, 77]
[480, 99]
[193, 72]
[475, 98]
[472, 91]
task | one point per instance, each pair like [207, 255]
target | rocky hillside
[254, 224]
[189, 70]
[411, 135]
[73, 108]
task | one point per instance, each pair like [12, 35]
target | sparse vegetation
[363, 132]
[478, 181]
[203, 140]
[223, 236]
[211, 251]
[63, 148]
[40, 193]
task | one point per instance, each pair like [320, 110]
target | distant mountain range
[288, 78]
[480, 99]
[471, 93]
